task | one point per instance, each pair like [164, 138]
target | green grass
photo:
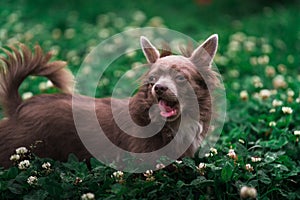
[259, 43]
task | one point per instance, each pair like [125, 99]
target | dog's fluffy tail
[22, 62]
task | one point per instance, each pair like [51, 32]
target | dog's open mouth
[168, 109]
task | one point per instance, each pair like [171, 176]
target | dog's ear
[150, 52]
[204, 54]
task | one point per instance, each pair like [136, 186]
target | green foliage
[258, 57]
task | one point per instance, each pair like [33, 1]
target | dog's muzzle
[167, 101]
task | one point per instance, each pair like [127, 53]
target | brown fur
[48, 117]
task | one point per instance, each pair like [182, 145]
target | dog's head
[174, 81]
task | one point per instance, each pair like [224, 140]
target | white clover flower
[257, 82]
[239, 36]
[136, 65]
[253, 61]
[298, 100]
[234, 73]
[49, 84]
[178, 161]
[241, 141]
[249, 45]
[14, 157]
[279, 82]
[32, 180]
[21, 150]
[248, 192]
[156, 21]
[46, 165]
[103, 33]
[272, 123]
[148, 173]
[272, 110]
[266, 48]
[130, 73]
[104, 82]
[139, 16]
[244, 95]
[86, 70]
[56, 33]
[88, 196]
[77, 180]
[13, 17]
[130, 53]
[118, 174]
[236, 86]
[290, 93]
[256, 96]
[150, 178]
[234, 45]
[281, 68]
[27, 95]
[201, 166]
[160, 166]
[291, 59]
[42, 86]
[264, 94]
[270, 71]
[276, 103]
[255, 159]
[256, 79]
[287, 110]
[208, 155]
[297, 133]
[45, 85]
[274, 92]
[258, 85]
[232, 154]
[263, 60]
[214, 151]
[24, 164]
[119, 22]
[69, 33]
[231, 151]
[249, 167]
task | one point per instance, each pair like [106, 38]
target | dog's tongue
[165, 110]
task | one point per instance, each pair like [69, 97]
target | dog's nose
[160, 89]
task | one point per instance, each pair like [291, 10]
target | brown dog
[165, 98]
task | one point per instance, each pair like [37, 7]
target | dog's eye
[152, 78]
[180, 78]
